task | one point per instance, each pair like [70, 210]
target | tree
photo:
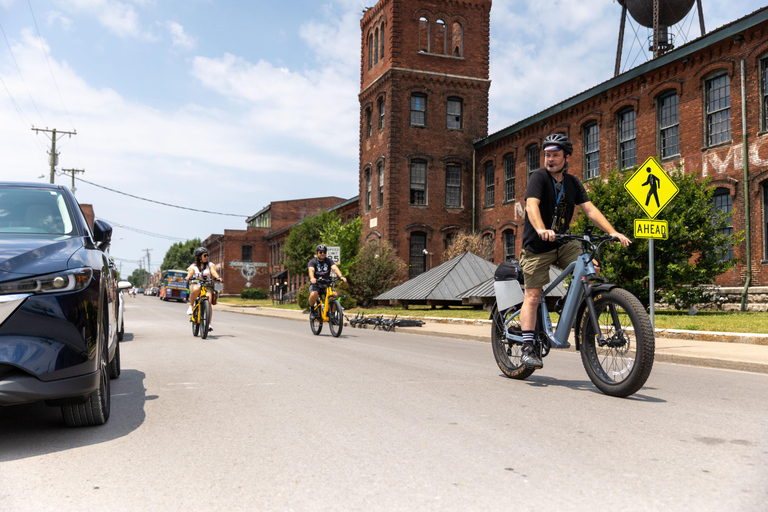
[474, 243]
[303, 239]
[346, 237]
[180, 255]
[689, 257]
[139, 277]
[376, 270]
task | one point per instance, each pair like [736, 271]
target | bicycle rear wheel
[195, 319]
[316, 321]
[335, 318]
[205, 318]
[508, 354]
[622, 365]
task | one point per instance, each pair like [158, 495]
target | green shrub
[303, 296]
[345, 297]
[254, 293]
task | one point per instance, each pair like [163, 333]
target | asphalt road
[265, 416]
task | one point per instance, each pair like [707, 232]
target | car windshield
[30, 211]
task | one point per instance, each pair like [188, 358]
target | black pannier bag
[507, 284]
[509, 271]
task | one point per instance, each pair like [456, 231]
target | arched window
[490, 185]
[418, 182]
[367, 190]
[381, 184]
[368, 123]
[423, 35]
[376, 46]
[509, 245]
[455, 108]
[591, 138]
[441, 38]
[627, 135]
[667, 112]
[488, 246]
[722, 201]
[532, 158]
[718, 103]
[418, 254]
[418, 109]
[370, 51]
[509, 177]
[382, 106]
[453, 186]
[381, 43]
[457, 41]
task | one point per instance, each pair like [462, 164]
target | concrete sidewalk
[734, 351]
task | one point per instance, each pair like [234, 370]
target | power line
[123, 226]
[160, 202]
[20, 74]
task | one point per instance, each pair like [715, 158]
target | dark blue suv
[58, 304]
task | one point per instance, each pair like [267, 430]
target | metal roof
[444, 282]
[486, 289]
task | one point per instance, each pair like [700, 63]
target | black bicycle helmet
[200, 251]
[560, 140]
[321, 248]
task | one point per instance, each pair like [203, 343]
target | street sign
[335, 253]
[651, 188]
[650, 228]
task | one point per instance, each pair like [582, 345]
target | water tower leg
[701, 17]
[621, 40]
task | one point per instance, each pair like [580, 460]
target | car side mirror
[102, 234]
[124, 285]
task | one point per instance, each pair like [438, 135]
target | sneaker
[210, 328]
[189, 310]
[530, 359]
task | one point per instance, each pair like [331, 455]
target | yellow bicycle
[327, 309]
[201, 310]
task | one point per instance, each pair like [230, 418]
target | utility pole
[53, 147]
[149, 267]
[73, 171]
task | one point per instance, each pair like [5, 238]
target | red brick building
[423, 101]
[424, 105]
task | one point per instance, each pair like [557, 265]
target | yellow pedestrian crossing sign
[651, 188]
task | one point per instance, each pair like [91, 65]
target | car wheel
[95, 410]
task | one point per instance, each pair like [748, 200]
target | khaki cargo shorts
[536, 265]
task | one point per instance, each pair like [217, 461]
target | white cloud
[119, 17]
[180, 38]
[58, 19]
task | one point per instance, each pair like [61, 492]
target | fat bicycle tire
[205, 318]
[316, 321]
[507, 353]
[335, 318]
[621, 369]
[195, 320]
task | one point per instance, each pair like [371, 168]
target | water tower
[658, 15]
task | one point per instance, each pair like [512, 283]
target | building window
[449, 239]
[490, 178]
[381, 184]
[718, 102]
[765, 220]
[509, 178]
[441, 37]
[454, 113]
[591, 151]
[764, 82]
[418, 110]
[423, 35]
[488, 246]
[381, 43]
[376, 46]
[627, 138]
[368, 124]
[723, 202]
[367, 190]
[418, 182]
[418, 260]
[509, 245]
[382, 108]
[370, 51]
[457, 40]
[532, 158]
[247, 253]
[669, 125]
[453, 186]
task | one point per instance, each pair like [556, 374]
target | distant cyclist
[201, 268]
[321, 266]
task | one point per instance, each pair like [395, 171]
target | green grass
[725, 321]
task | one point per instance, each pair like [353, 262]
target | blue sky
[228, 105]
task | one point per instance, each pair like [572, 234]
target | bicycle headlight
[65, 281]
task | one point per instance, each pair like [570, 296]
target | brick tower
[423, 101]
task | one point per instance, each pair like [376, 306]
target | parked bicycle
[327, 309]
[201, 309]
[612, 330]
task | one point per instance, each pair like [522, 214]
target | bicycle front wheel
[335, 318]
[205, 318]
[621, 365]
[508, 354]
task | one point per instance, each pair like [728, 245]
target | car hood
[25, 257]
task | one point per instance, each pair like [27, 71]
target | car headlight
[65, 281]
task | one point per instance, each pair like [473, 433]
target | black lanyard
[557, 201]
